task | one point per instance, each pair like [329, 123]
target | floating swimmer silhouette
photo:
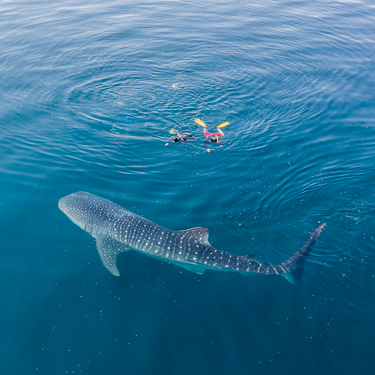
[212, 137]
[180, 137]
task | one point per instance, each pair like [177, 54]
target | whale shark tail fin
[294, 265]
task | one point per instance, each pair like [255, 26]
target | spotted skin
[117, 229]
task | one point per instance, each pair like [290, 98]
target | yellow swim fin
[200, 122]
[223, 124]
[172, 131]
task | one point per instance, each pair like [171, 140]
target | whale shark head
[80, 209]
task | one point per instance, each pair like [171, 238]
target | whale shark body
[117, 229]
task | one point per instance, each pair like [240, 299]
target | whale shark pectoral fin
[195, 269]
[108, 249]
[200, 233]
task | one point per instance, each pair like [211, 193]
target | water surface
[88, 94]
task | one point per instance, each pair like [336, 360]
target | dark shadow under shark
[116, 230]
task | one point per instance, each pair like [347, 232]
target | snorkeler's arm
[178, 133]
[170, 140]
[206, 142]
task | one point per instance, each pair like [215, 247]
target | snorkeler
[212, 137]
[180, 137]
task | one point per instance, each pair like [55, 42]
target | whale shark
[117, 230]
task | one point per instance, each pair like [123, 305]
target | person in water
[179, 137]
[212, 137]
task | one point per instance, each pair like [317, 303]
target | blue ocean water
[88, 94]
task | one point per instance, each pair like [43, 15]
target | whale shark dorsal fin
[200, 233]
[108, 249]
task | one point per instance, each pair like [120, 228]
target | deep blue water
[88, 94]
